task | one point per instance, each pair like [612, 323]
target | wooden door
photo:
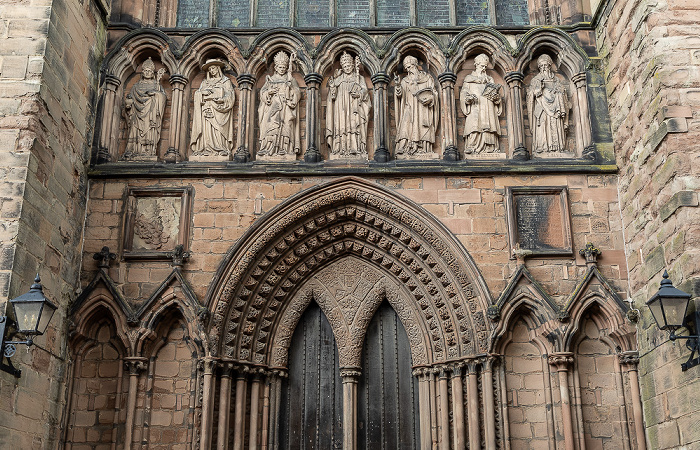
[312, 395]
[387, 394]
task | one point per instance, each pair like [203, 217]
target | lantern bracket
[693, 340]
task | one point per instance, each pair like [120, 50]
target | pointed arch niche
[347, 246]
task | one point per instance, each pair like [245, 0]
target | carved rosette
[337, 223]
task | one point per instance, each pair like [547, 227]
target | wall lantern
[669, 306]
[33, 313]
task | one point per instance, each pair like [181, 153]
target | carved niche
[157, 221]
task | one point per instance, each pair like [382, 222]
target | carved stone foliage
[347, 220]
[157, 221]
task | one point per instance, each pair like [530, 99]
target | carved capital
[591, 253]
[178, 256]
[245, 81]
[561, 360]
[135, 364]
[313, 80]
[226, 369]
[521, 154]
[629, 358]
[380, 78]
[514, 79]
[457, 369]
[451, 153]
[112, 82]
[312, 155]
[579, 79]
[178, 81]
[472, 366]
[208, 364]
[350, 374]
[447, 79]
[104, 258]
[241, 156]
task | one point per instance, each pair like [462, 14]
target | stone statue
[212, 124]
[548, 109]
[417, 112]
[277, 114]
[480, 99]
[347, 111]
[143, 107]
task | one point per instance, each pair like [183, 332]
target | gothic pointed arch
[267, 44]
[348, 216]
[474, 40]
[566, 53]
[208, 42]
[356, 41]
[419, 40]
[132, 50]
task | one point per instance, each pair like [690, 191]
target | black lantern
[33, 311]
[669, 306]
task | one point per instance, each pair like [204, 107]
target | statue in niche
[212, 124]
[417, 112]
[143, 107]
[548, 109]
[347, 111]
[277, 114]
[480, 99]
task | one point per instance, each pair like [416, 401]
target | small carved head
[148, 68]
[409, 62]
[281, 62]
[214, 66]
[544, 62]
[481, 61]
[346, 62]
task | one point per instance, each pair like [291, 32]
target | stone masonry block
[679, 199]
[14, 66]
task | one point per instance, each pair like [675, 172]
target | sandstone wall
[49, 57]
[651, 51]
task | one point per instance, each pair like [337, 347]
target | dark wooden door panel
[311, 416]
[387, 394]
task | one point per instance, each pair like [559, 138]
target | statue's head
[482, 60]
[346, 62]
[148, 69]
[281, 62]
[544, 62]
[409, 63]
[215, 67]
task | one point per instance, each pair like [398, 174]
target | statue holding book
[480, 99]
[548, 109]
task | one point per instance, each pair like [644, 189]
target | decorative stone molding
[135, 364]
[561, 360]
[629, 358]
[591, 253]
[104, 258]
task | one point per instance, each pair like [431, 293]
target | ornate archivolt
[442, 290]
[311, 67]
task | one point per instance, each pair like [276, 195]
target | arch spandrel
[348, 216]
[349, 291]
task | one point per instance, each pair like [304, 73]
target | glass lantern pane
[45, 317]
[655, 307]
[27, 316]
[675, 307]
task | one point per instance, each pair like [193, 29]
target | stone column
[265, 425]
[424, 407]
[111, 85]
[381, 109]
[224, 406]
[135, 365]
[245, 86]
[449, 121]
[583, 137]
[350, 376]
[459, 441]
[444, 409]
[178, 83]
[515, 83]
[561, 362]
[473, 405]
[254, 411]
[313, 83]
[630, 361]
[489, 402]
[208, 366]
[240, 410]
